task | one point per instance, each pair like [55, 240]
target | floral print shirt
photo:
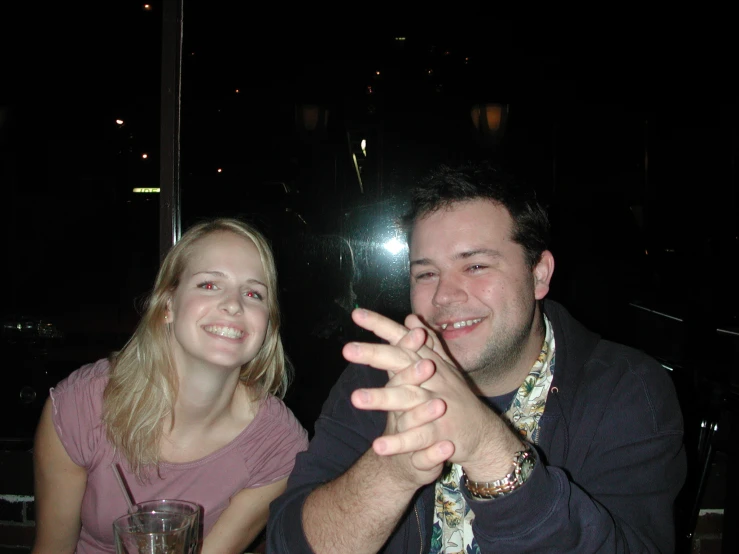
[452, 528]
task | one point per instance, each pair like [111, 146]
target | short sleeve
[270, 452]
[77, 403]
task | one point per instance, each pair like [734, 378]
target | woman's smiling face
[220, 310]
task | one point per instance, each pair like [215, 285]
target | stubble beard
[502, 353]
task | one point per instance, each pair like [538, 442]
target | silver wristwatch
[523, 464]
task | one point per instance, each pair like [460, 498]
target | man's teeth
[228, 332]
[460, 324]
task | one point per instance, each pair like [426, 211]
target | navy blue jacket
[611, 459]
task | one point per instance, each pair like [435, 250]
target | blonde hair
[143, 383]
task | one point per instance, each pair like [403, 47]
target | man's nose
[449, 291]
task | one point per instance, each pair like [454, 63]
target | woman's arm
[243, 520]
[59, 487]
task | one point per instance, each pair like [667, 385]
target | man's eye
[477, 267]
[424, 276]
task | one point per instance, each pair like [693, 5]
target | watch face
[527, 466]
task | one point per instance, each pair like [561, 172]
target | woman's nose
[231, 304]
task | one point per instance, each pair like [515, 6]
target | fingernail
[364, 396]
[380, 446]
[417, 367]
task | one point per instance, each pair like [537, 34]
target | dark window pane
[82, 245]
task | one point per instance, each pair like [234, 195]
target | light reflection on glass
[395, 246]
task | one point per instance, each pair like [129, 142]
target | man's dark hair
[446, 186]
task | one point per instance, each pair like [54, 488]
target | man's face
[471, 283]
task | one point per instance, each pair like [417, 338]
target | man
[492, 421]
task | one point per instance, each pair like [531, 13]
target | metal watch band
[494, 489]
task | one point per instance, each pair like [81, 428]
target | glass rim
[164, 502]
[128, 529]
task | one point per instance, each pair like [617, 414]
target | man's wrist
[497, 467]
[387, 473]
[493, 461]
[521, 468]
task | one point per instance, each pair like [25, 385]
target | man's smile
[460, 324]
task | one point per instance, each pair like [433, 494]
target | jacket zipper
[420, 535]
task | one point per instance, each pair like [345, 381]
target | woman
[186, 410]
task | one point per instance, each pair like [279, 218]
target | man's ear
[543, 271]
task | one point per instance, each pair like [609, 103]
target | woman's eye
[253, 294]
[208, 286]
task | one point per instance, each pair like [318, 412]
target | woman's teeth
[228, 332]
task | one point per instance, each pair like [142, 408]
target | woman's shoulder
[269, 445]
[275, 413]
[276, 423]
[94, 375]
[77, 407]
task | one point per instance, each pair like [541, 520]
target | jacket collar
[574, 345]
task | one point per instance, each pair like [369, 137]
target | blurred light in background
[395, 246]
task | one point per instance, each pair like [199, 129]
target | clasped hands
[433, 414]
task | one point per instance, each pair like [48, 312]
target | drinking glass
[152, 533]
[183, 507]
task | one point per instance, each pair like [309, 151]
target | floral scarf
[452, 530]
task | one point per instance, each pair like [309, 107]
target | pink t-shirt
[264, 452]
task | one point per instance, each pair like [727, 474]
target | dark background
[626, 127]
